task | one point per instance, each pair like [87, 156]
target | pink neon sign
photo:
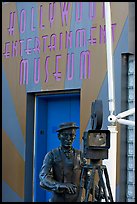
[77, 39]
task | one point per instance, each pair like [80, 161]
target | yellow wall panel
[12, 166]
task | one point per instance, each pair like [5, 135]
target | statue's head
[67, 133]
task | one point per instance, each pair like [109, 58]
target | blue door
[51, 110]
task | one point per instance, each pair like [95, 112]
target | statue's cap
[67, 125]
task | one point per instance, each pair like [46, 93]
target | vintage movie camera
[96, 144]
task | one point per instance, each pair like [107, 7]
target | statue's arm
[47, 180]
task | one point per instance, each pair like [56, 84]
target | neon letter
[78, 4]
[36, 81]
[44, 42]
[70, 76]
[25, 63]
[51, 47]
[51, 13]
[12, 23]
[28, 50]
[32, 19]
[57, 74]
[69, 38]
[14, 49]
[92, 10]
[7, 53]
[92, 40]
[102, 34]
[46, 69]
[82, 32]
[64, 12]
[22, 16]
[21, 41]
[41, 26]
[37, 45]
[84, 54]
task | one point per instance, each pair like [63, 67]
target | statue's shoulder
[56, 150]
[52, 154]
[56, 153]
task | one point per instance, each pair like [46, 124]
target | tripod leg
[99, 192]
[108, 184]
[102, 183]
[93, 186]
[90, 184]
[81, 184]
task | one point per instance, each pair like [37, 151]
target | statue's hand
[67, 187]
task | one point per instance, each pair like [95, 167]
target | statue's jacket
[56, 169]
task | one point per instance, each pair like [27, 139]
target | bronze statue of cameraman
[61, 169]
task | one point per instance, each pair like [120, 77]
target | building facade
[54, 65]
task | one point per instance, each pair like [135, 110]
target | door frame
[30, 136]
